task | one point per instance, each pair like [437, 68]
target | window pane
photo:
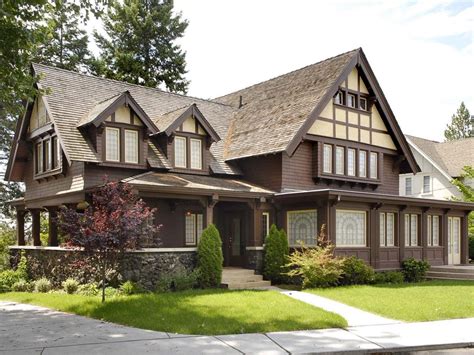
[435, 230]
[39, 158]
[414, 229]
[382, 229]
[327, 160]
[363, 104]
[350, 228]
[351, 100]
[302, 227]
[426, 184]
[339, 160]
[54, 153]
[362, 163]
[47, 155]
[429, 234]
[190, 222]
[407, 186]
[180, 152]
[112, 141]
[373, 165]
[407, 230]
[351, 162]
[131, 146]
[196, 154]
[390, 229]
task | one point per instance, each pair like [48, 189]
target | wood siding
[264, 171]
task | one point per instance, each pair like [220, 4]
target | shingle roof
[273, 111]
[450, 156]
[97, 109]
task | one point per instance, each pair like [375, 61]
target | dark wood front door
[233, 239]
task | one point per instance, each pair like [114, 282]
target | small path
[28, 329]
[355, 317]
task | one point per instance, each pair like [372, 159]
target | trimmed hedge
[415, 270]
[275, 255]
[210, 259]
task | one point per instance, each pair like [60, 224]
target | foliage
[210, 259]
[70, 286]
[22, 286]
[275, 255]
[7, 238]
[43, 285]
[467, 192]
[130, 288]
[88, 289]
[471, 246]
[462, 125]
[9, 277]
[389, 277]
[111, 291]
[414, 270]
[115, 222]
[317, 266]
[178, 281]
[203, 312]
[8, 190]
[356, 272]
[139, 46]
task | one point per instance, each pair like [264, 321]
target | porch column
[212, 201]
[465, 239]
[53, 226]
[20, 227]
[35, 226]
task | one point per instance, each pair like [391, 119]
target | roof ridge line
[127, 83]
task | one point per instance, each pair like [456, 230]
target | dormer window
[339, 98]
[184, 146]
[131, 146]
[351, 100]
[180, 160]
[112, 144]
[196, 153]
[122, 145]
[363, 103]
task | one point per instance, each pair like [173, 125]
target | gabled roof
[170, 121]
[105, 108]
[448, 157]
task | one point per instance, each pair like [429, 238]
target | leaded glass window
[362, 163]
[193, 227]
[327, 159]
[435, 231]
[302, 227]
[351, 157]
[411, 230]
[373, 165]
[180, 152]
[387, 229]
[112, 144]
[196, 154]
[131, 146]
[351, 228]
[340, 160]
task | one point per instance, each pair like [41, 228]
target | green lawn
[206, 312]
[424, 301]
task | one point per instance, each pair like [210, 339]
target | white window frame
[409, 228]
[197, 228]
[363, 172]
[353, 101]
[288, 232]
[340, 163]
[406, 186]
[266, 227]
[430, 230]
[135, 134]
[364, 213]
[193, 164]
[383, 228]
[429, 191]
[107, 147]
[351, 169]
[327, 163]
[374, 165]
[185, 152]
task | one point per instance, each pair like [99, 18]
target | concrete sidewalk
[27, 329]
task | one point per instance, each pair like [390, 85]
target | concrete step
[238, 271]
[449, 275]
[246, 278]
[454, 270]
[248, 285]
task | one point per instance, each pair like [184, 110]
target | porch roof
[370, 197]
[196, 184]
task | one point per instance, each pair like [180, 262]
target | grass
[207, 312]
[424, 301]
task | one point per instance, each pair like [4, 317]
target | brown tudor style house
[316, 146]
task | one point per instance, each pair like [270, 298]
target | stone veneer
[144, 266]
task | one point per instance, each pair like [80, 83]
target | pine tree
[139, 47]
[66, 43]
[462, 125]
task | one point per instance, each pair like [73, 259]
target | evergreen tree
[462, 125]
[66, 43]
[139, 47]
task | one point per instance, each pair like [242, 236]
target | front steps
[451, 272]
[238, 279]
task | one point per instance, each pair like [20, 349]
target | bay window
[351, 162]
[340, 160]
[351, 229]
[373, 165]
[362, 163]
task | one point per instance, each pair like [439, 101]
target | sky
[421, 51]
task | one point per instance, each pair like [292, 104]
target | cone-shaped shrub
[210, 258]
[276, 253]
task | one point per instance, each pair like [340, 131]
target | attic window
[339, 98]
[363, 103]
[47, 156]
[351, 100]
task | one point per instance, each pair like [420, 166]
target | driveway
[27, 329]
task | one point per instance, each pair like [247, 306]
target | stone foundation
[145, 266]
[255, 260]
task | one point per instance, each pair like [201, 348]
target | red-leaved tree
[116, 221]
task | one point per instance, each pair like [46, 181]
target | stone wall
[144, 266]
[255, 260]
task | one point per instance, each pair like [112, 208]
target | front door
[233, 239]
[454, 240]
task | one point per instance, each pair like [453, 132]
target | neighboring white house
[440, 163]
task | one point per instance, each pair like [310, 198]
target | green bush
[210, 258]
[9, 277]
[89, 289]
[275, 255]
[389, 277]
[43, 285]
[7, 238]
[178, 281]
[70, 286]
[21, 286]
[356, 272]
[415, 270]
[317, 266]
[471, 247]
[111, 292]
[130, 288]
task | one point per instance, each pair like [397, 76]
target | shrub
[70, 286]
[42, 285]
[89, 289]
[389, 277]
[210, 258]
[21, 286]
[317, 266]
[356, 272]
[9, 277]
[111, 292]
[414, 270]
[471, 247]
[130, 288]
[275, 255]
[178, 281]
